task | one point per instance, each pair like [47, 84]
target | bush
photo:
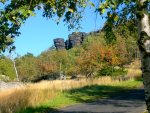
[50, 76]
[112, 71]
[4, 78]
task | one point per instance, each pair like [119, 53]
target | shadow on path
[119, 100]
[127, 102]
[95, 92]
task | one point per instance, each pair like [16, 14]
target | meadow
[50, 95]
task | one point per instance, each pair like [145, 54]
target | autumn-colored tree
[91, 59]
[46, 65]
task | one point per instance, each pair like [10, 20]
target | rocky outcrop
[59, 43]
[74, 39]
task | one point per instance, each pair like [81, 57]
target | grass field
[51, 95]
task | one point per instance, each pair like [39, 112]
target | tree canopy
[15, 12]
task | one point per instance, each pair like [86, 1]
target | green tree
[27, 67]
[119, 12]
[15, 12]
[6, 68]
[73, 66]
[61, 59]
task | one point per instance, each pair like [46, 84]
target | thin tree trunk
[144, 47]
[60, 72]
[16, 70]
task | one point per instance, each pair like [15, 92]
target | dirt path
[131, 102]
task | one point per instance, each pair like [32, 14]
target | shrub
[4, 78]
[112, 71]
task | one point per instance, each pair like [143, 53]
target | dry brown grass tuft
[16, 99]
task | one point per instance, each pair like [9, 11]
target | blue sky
[37, 33]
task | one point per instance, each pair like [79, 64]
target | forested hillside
[93, 58]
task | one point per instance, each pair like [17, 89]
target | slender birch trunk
[144, 46]
[16, 70]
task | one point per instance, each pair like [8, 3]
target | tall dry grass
[33, 94]
[134, 69]
[15, 99]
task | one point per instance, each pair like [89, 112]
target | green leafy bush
[4, 78]
[6, 69]
[112, 71]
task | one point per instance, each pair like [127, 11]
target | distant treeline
[94, 57]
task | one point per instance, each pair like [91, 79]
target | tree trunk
[16, 70]
[144, 47]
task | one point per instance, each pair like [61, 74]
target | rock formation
[59, 43]
[74, 39]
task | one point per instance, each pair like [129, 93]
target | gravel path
[10, 85]
[131, 102]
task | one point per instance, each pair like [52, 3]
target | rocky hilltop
[74, 39]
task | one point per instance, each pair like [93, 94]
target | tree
[6, 68]
[61, 59]
[27, 67]
[15, 13]
[118, 12]
[46, 65]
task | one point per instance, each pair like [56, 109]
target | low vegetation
[50, 95]
[145, 111]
